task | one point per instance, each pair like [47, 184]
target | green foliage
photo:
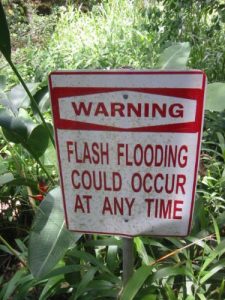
[60, 264]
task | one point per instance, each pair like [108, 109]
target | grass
[115, 34]
[110, 36]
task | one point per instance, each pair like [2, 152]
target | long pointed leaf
[219, 250]
[142, 251]
[171, 271]
[49, 239]
[5, 45]
[175, 56]
[87, 278]
[10, 287]
[18, 96]
[216, 268]
[135, 282]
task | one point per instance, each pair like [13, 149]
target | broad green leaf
[141, 250]
[2, 82]
[112, 258]
[216, 268]
[6, 103]
[170, 271]
[190, 298]
[208, 260]
[5, 249]
[18, 96]
[4, 165]
[5, 178]
[100, 285]
[44, 104]
[64, 270]
[25, 116]
[5, 45]
[135, 282]
[201, 296]
[42, 99]
[49, 239]
[37, 141]
[175, 56]
[21, 246]
[219, 250]
[3, 97]
[170, 293]
[49, 156]
[221, 289]
[215, 96]
[13, 128]
[18, 135]
[33, 137]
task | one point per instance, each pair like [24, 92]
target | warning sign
[128, 148]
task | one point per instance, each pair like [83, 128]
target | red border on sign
[126, 71]
[193, 127]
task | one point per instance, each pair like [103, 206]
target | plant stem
[30, 198]
[20, 171]
[128, 259]
[43, 168]
[41, 165]
[13, 251]
[164, 257]
[31, 99]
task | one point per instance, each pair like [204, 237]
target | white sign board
[128, 149]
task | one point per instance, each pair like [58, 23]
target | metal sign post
[128, 259]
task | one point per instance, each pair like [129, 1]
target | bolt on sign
[128, 147]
